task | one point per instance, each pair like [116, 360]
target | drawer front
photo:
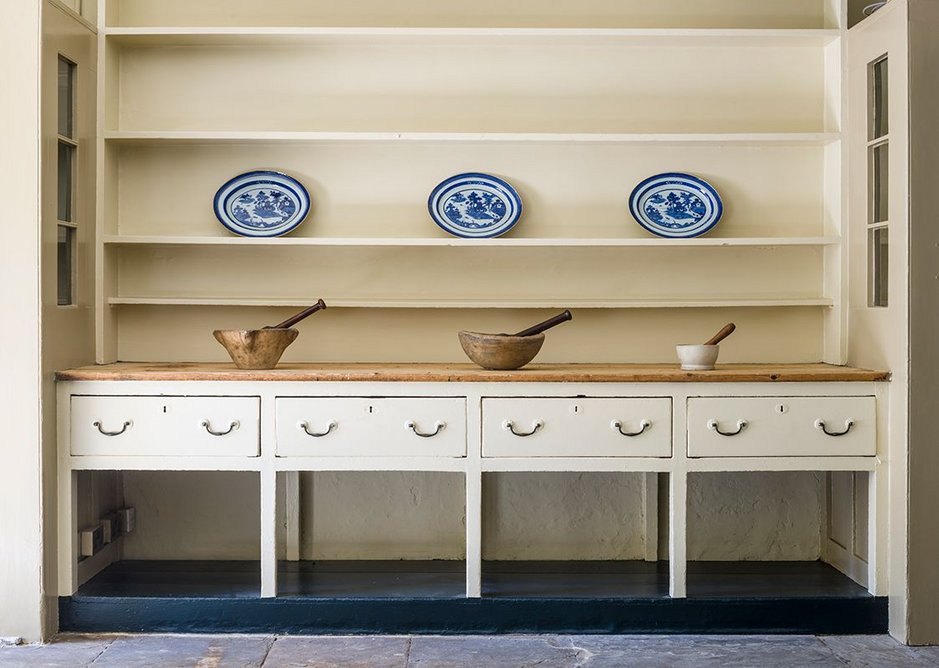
[363, 427]
[592, 427]
[165, 426]
[781, 426]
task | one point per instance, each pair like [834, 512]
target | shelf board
[283, 36]
[558, 242]
[474, 303]
[661, 138]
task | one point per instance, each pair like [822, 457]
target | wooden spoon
[294, 319]
[547, 324]
[726, 331]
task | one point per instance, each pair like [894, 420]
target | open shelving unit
[370, 105]
[575, 108]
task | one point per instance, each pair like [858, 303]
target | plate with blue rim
[676, 205]
[261, 203]
[475, 205]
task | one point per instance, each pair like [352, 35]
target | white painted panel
[600, 13]
[373, 427]
[840, 511]
[406, 85]
[577, 427]
[169, 426]
[780, 426]
[154, 333]
[568, 189]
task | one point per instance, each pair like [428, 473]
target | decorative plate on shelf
[261, 203]
[475, 206]
[676, 205]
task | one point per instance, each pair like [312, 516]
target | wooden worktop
[438, 372]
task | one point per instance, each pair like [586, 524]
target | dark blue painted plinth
[303, 615]
[410, 597]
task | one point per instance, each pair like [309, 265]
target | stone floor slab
[66, 651]
[880, 652]
[339, 652]
[488, 652]
[704, 651]
[190, 651]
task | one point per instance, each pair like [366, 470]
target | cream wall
[21, 610]
[67, 331]
[924, 323]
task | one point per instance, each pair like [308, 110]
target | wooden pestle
[547, 324]
[726, 331]
[294, 319]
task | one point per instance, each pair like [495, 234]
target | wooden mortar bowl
[255, 348]
[500, 351]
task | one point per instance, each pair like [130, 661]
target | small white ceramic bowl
[697, 356]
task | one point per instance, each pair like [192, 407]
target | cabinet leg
[268, 533]
[292, 511]
[474, 507]
[650, 512]
[677, 533]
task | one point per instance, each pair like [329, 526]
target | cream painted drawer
[781, 426]
[376, 427]
[165, 426]
[581, 427]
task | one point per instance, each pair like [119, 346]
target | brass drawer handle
[127, 424]
[413, 427]
[848, 425]
[714, 426]
[510, 426]
[306, 427]
[232, 427]
[618, 426]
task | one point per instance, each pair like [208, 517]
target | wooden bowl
[500, 351]
[255, 348]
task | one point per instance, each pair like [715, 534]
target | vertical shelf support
[292, 520]
[474, 497]
[650, 515]
[677, 533]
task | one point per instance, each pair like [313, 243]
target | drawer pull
[127, 424]
[848, 424]
[618, 426]
[306, 427]
[413, 427]
[510, 426]
[741, 425]
[232, 427]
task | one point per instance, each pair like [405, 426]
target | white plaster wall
[400, 515]
[193, 515]
[20, 482]
[755, 516]
[562, 516]
[383, 515]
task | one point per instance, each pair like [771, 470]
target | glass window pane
[66, 165]
[877, 253]
[66, 97]
[879, 114]
[878, 168]
[65, 252]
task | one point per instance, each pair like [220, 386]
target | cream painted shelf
[285, 242]
[274, 36]
[673, 138]
[475, 303]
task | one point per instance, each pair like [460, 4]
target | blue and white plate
[676, 205]
[261, 204]
[475, 206]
